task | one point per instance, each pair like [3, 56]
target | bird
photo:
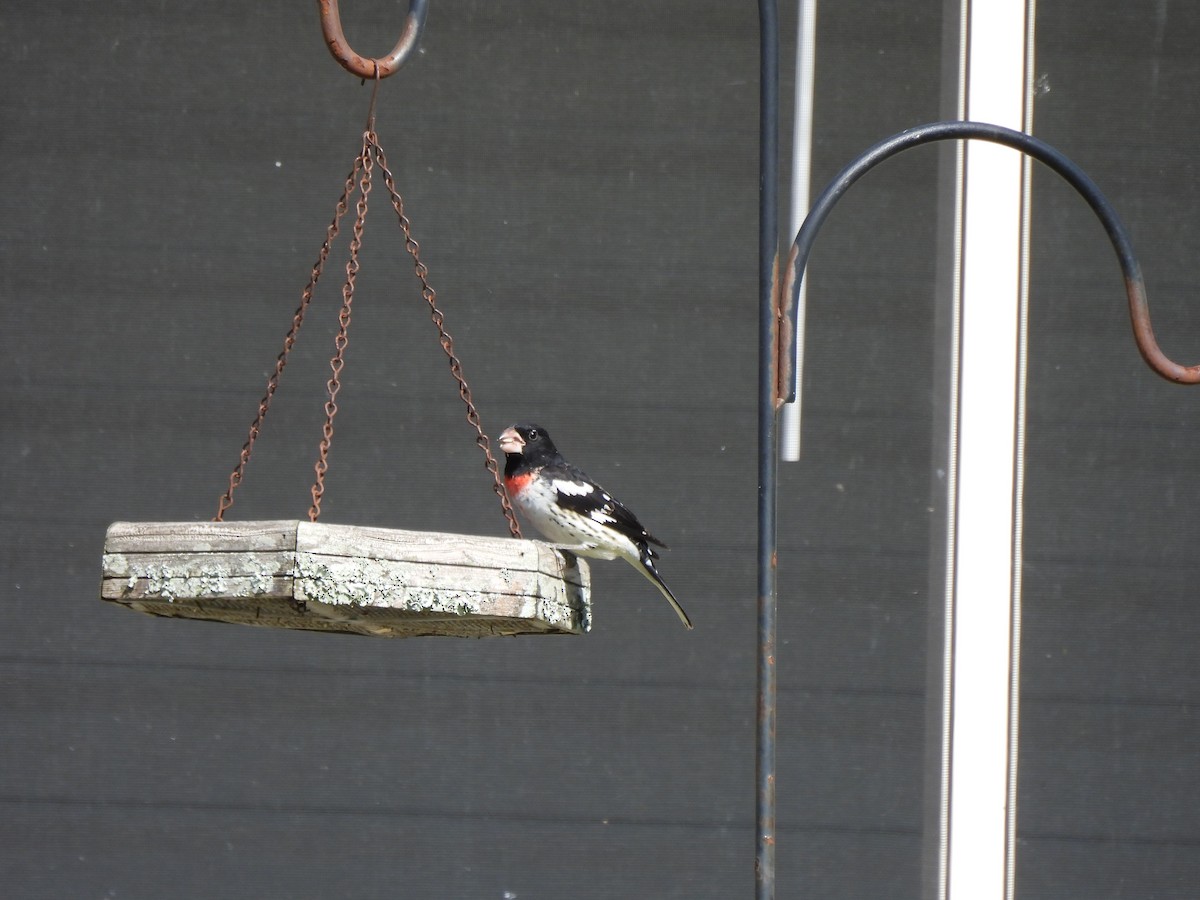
[572, 511]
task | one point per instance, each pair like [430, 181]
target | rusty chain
[338, 362]
[447, 342]
[370, 155]
[264, 405]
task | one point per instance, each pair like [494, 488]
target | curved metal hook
[364, 67]
[1135, 288]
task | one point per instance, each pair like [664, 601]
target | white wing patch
[573, 488]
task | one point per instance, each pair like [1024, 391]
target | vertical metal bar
[806, 66]
[768, 459]
[947, 338]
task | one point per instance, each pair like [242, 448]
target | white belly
[537, 503]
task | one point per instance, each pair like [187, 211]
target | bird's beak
[511, 441]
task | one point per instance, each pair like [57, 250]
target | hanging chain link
[264, 405]
[371, 154]
[447, 342]
[338, 362]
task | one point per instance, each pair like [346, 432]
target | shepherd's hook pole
[777, 343]
[1118, 235]
[768, 450]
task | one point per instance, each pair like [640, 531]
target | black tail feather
[648, 569]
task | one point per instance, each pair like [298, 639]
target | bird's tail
[647, 568]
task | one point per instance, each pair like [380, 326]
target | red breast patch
[517, 483]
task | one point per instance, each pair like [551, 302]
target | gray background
[583, 182]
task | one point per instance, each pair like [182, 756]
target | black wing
[581, 495]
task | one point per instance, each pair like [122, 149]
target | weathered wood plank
[422, 546]
[266, 612]
[373, 581]
[345, 578]
[198, 587]
[194, 565]
[150, 537]
[377, 585]
[415, 608]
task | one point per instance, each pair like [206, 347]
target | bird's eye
[533, 434]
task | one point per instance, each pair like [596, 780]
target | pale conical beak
[511, 441]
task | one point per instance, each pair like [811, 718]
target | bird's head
[531, 442]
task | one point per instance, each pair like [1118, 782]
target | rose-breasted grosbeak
[574, 512]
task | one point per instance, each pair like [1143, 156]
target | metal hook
[1135, 287]
[363, 67]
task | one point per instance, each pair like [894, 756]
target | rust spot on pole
[785, 392]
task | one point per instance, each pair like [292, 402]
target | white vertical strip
[991, 351]
[806, 63]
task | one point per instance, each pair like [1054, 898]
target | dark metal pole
[768, 451]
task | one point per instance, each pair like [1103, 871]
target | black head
[528, 443]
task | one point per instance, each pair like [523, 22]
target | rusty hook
[364, 67]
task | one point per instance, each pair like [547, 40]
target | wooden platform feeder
[345, 578]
